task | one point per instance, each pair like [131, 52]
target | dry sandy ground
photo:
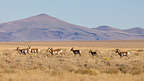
[105, 66]
[102, 44]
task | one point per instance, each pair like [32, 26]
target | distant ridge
[136, 30]
[43, 27]
[107, 28]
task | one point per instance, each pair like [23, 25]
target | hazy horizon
[122, 14]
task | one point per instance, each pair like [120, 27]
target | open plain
[42, 66]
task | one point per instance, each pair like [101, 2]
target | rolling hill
[136, 30]
[43, 27]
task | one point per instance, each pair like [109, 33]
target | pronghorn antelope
[33, 50]
[121, 54]
[75, 51]
[22, 51]
[55, 51]
[93, 53]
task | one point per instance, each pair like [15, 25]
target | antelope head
[49, 49]
[29, 46]
[17, 48]
[117, 51]
[71, 49]
[90, 51]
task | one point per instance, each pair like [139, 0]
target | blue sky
[89, 13]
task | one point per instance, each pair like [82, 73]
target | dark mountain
[47, 28]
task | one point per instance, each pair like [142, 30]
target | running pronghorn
[55, 51]
[121, 54]
[33, 50]
[22, 51]
[75, 51]
[93, 53]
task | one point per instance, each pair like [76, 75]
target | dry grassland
[106, 66]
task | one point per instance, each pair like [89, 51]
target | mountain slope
[43, 27]
[119, 34]
[136, 30]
